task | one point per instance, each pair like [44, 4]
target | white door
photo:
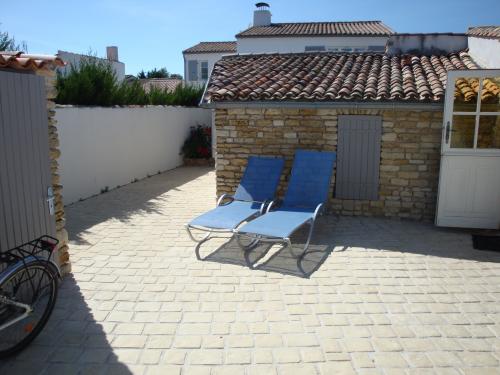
[469, 181]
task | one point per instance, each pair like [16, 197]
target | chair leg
[248, 247]
[311, 228]
[198, 240]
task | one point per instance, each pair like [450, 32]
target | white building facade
[310, 44]
[268, 37]
[484, 45]
[111, 57]
[200, 59]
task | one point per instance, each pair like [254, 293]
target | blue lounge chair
[307, 191]
[255, 191]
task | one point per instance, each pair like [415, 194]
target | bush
[131, 93]
[94, 83]
[182, 95]
[199, 143]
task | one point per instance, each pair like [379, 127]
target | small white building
[484, 45]
[111, 57]
[268, 37]
[199, 60]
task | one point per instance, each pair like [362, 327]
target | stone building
[382, 113]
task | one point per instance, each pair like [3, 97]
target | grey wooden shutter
[24, 160]
[358, 157]
[193, 70]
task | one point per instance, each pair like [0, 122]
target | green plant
[94, 82]
[198, 145]
[131, 93]
[186, 95]
[157, 73]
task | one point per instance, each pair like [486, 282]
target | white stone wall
[102, 148]
[485, 52]
[426, 43]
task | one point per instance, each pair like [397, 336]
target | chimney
[262, 15]
[112, 53]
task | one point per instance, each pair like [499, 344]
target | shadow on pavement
[73, 341]
[142, 197]
[335, 234]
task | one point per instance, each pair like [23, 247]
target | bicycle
[29, 282]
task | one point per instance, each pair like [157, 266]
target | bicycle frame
[8, 272]
[28, 310]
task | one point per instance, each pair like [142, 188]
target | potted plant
[197, 149]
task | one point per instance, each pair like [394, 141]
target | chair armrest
[263, 206]
[223, 197]
[318, 211]
[273, 203]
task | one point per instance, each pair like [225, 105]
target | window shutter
[193, 70]
[358, 157]
[204, 70]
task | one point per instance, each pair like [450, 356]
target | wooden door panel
[24, 160]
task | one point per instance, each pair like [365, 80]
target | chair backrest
[260, 180]
[310, 178]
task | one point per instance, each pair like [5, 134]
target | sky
[152, 33]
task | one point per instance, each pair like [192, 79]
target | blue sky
[153, 33]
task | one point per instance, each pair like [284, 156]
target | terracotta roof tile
[352, 28]
[333, 76]
[212, 47]
[485, 31]
[168, 84]
[22, 61]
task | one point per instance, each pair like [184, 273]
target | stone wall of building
[410, 152]
[54, 153]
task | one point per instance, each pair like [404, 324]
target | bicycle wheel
[34, 285]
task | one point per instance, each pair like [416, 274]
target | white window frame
[201, 62]
[449, 113]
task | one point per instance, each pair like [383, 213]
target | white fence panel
[107, 147]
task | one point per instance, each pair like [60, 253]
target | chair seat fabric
[280, 223]
[228, 216]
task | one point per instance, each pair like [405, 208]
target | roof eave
[436, 106]
[206, 52]
[238, 36]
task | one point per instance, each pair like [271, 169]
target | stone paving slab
[372, 296]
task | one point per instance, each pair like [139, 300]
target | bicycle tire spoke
[21, 288]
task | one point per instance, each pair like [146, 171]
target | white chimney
[112, 53]
[262, 15]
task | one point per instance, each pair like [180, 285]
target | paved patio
[373, 296]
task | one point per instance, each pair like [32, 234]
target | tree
[157, 73]
[8, 43]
